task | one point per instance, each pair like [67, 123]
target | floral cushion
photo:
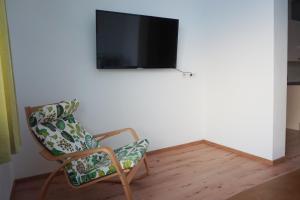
[83, 170]
[56, 128]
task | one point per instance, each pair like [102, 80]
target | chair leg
[126, 187]
[146, 165]
[45, 187]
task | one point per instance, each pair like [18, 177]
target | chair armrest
[106, 135]
[81, 154]
[67, 158]
[76, 155]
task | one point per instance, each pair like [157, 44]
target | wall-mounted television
[129, 41]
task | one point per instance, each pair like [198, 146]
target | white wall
[53, 44]
[280, 77]
[240, 77]
[6, 180]
[228, 44]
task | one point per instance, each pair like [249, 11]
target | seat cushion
[97, 165]
[56, 129]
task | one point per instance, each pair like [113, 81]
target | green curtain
[9, 123]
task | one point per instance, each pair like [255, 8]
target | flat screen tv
[128, 41]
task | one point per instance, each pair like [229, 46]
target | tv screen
[135, 41]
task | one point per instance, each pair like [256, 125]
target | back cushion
[56, 128]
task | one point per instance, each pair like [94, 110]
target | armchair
[79, 154]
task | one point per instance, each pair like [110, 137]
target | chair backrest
[57, 130]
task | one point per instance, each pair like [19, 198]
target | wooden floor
[193, 173]
[285, 187]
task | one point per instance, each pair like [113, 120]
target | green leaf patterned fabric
[83, 170]
[56, 128]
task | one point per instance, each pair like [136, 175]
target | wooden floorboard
[194, 172]
[285, 187]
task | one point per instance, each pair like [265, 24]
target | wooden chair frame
[125, 176]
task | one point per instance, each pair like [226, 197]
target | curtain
[9, 122]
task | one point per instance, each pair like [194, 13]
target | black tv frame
[139, 67]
